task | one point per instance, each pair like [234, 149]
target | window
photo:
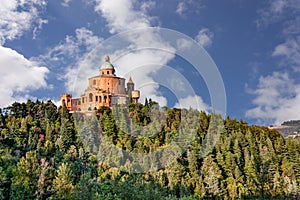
[94, 82]
[100, 99]
[82, 99]
[91, 97]
[96, 98]
[107, 72]
[105, 97]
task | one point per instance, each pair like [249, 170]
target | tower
[66, 99]
[130, 87]
[135, 95]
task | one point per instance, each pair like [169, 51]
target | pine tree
[24, 181]
[62, 183]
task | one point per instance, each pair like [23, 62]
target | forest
[141, 152]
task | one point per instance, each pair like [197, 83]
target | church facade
[105, 89]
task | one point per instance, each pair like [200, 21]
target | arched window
[96, 98]
[100, 99]
[91, 97]
[94, 82]
[107, 72]
[105, 97]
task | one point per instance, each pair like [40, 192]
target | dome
[107, 64]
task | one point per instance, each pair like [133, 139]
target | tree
[212, 176]
[24, 181]
[62, 183]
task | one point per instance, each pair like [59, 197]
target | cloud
[66, 3]
[73, 47]
[277, 99]
[39, 27]
[181, 8]
[74, 59]
[184, 44]
[18, 17]
[277, 95]
[184, 6]
[276, 10]
[121, 15]
[195, 102]
[147, 5]
[290, 52]
[86, 51]
[19, 76]
[204, 37]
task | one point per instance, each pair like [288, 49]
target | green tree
[25, 177]
[62, 183]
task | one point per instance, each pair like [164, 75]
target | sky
[51, 47]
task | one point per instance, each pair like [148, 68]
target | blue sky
[51, 47]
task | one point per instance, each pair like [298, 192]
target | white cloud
[188, 6]
[276, 10]
[195, 102]
[75, 58]
[38, 27]
[18, 76]
[66, 3]
[277, 95]
[147, 5]
[181, 8]
[184, 44]
[290, 52]
[18, 16]
[277, 99]
[72, 47]
[121, 15]
[204, 37]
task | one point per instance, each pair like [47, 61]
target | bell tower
[130, 86]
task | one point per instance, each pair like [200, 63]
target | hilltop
[288, 128]
[48, 153]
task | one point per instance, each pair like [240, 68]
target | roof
[107, 64]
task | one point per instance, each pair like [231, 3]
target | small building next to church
[105, 89]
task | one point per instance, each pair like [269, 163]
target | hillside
[47, 153]
[288, 128]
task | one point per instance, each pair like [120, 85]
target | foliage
[48, 153]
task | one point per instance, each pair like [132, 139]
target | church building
[105, 89]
